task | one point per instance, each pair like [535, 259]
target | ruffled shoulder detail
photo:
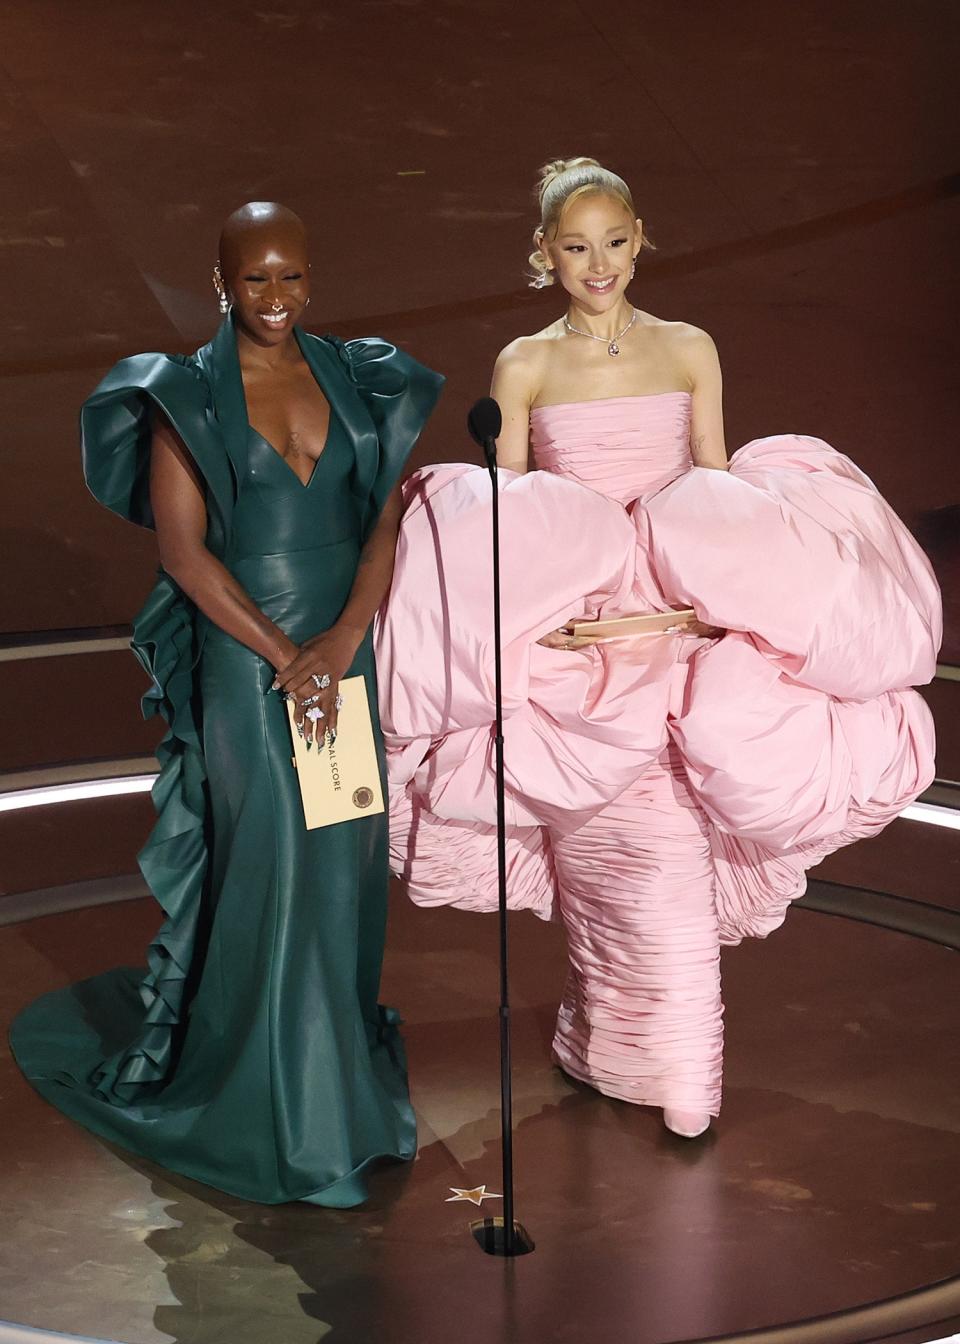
[116, 425]
[174, 859]
[399, 394]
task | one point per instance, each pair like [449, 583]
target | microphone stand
[511, 1239]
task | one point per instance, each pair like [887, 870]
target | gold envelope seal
[340, 781]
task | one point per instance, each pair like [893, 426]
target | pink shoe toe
[688, 1124]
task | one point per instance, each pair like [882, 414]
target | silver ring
[321, 682]
[314, 714]
[311, 699]
[338, 702]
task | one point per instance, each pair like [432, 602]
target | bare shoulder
[521, 364]
[682, 337]
[691, 348]
[529, 352]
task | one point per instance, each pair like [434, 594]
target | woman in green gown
[253, 1055]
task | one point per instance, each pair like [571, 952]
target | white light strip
[14, 653]
[932, 815]
[28, 1334]
[72, 793]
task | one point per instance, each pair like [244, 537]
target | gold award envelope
[340, 781]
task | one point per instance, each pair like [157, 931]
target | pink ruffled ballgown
[665, 794]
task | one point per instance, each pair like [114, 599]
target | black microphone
[499, 1236]
[484, 424]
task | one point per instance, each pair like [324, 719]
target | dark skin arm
[180, 514]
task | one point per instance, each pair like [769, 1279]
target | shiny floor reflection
[830, 1181]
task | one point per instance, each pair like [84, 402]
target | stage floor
[829, 1183]
[796, 167]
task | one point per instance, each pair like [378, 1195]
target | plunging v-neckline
[304, 485]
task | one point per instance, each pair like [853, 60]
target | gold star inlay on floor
[475, 1196]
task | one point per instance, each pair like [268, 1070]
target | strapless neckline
[623, 447]
[606, 401]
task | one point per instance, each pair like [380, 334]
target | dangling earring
[224, 302]
[544, 279]
[633, 268]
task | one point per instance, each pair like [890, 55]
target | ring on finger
[321, 682]
[315, 713]
[338, 701]
[311, 700]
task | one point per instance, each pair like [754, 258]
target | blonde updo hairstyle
[563, 181]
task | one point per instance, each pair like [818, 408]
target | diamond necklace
[612, 347]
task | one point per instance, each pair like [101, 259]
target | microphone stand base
[490, 1234]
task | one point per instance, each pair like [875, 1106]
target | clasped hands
[312, 676]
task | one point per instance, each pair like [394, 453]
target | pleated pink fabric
[641, 1013]
[622, 447]
[664, 795]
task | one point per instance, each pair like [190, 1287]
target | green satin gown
[253, 1056]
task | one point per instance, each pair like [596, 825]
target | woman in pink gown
[665, 794]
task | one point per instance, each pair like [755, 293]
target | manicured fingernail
[333, 736]
[275, 684]
[309, 743]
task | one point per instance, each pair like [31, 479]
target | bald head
[265, 270]
[258, 224]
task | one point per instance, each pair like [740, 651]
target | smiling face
[266, 274]
[593, 250]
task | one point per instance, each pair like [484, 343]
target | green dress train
[253, 1055]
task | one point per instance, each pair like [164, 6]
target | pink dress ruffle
[666, 794]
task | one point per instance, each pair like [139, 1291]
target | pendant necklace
[612, 346]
